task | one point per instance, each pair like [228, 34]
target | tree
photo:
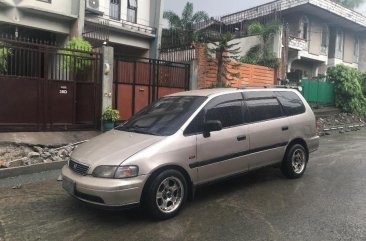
[188, 18]
[347, 89]
[4, 53]
[76, 55]
[262, 53]
[351, 4]
[225, 51]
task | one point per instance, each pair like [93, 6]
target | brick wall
[249, 75]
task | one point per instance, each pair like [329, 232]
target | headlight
[126, 172]
[116, 171]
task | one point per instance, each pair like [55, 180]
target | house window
[325, 35]
[340, 38]
[304, 28]
[132, 11]
[356, 49]
[114, 9]
[339, 44]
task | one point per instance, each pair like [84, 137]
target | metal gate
[318, 91]
[139, 82]
[47, 88]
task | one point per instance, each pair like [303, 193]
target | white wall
[55, 17]
[246, 43]
[62, 7]
[143, 10]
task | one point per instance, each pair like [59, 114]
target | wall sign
[63, 90]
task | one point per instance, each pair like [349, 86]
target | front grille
[78, 167]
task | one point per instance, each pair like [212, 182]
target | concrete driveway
[327, 203]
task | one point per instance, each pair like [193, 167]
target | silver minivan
[163, 153]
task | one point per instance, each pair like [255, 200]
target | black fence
[21, 57]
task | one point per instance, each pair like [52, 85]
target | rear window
[263, 109]
[291, 103]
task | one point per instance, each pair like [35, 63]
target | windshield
[164, 117]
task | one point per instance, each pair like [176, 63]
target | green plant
[76, 56]
[4, 53]
[262, 54]
[363, 83]
[347, 89]
[188, 18]
[110, 114]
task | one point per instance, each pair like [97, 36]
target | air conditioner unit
[93, 6]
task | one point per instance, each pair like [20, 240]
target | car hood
[112, 147]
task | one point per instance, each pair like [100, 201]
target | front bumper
[102, 191]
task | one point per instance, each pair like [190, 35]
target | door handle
[241, 138]
[284, 128]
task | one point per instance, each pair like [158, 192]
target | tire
[166, 194]
[295, 161]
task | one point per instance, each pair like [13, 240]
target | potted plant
[109, 116]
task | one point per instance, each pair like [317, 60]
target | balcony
[121, 26]
[299, 44]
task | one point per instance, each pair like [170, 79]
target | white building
[316, 34]
[132, 27]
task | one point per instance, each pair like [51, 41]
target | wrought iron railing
[22, 58]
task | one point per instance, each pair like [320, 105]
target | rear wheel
[166, 194]
[295, 161]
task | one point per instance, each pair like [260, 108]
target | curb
[42, 167]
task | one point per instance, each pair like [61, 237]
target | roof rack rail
[269, 86]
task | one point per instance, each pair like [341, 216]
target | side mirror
[210, 126]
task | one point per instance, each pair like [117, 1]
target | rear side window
[263, 109]
[292, 104]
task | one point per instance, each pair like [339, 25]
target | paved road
[328, 203]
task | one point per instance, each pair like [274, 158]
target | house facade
[43, 20]
[132, 27]
[67, 89]
[316, 35]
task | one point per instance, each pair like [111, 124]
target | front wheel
[295, 161]
[166, 194]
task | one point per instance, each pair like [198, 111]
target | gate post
[193, 76]
[107, 76]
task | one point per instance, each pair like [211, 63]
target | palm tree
[188, 18]
[351, 4]
[225, 51]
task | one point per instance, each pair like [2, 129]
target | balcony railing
[299, 44]
[121, 24]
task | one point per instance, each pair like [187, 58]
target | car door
[222, 153]
[268, 131]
